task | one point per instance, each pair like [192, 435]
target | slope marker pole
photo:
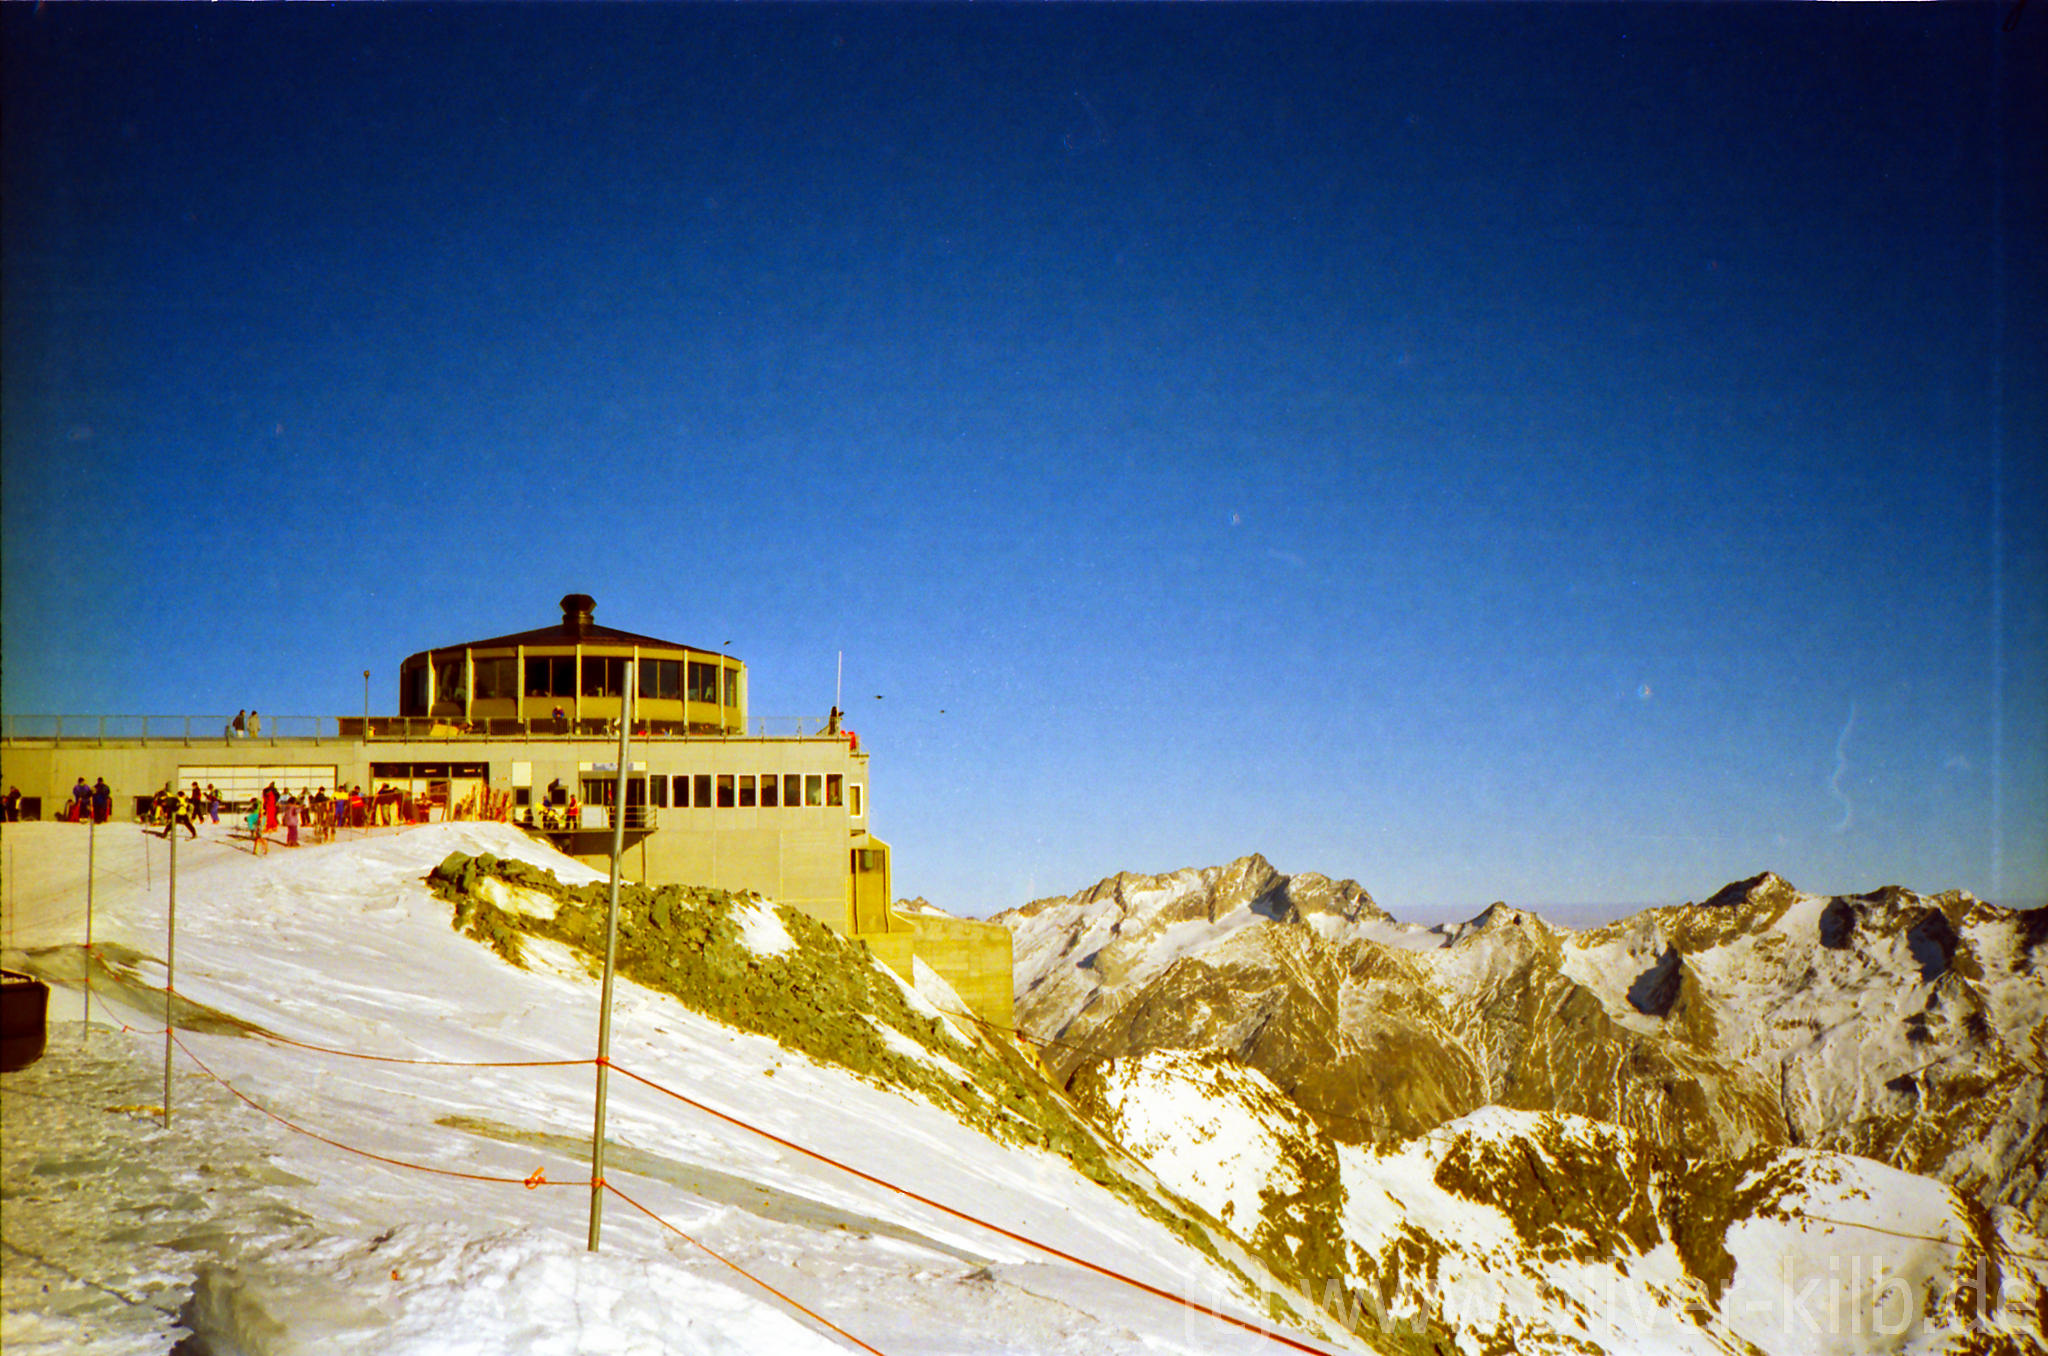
[611, 942]
[92, 838]
[170, 964]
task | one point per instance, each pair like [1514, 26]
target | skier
[179, 812]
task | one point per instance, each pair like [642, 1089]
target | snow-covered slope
[121, 1234]
[1689, 1085]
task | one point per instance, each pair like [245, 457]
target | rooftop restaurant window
[703, 682]
[412, 691]
[449, 684]
[732, 687]
[551, 675]
[661, 679]
[604, 675]
[496, 678]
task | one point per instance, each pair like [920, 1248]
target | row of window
[605, 676]
[560, 675]
[722, 791]
[748, 791]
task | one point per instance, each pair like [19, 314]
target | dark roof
[575, 626]
[565, 635]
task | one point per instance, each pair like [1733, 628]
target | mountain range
[1659, 1098]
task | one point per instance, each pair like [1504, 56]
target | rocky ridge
[1721, 1059]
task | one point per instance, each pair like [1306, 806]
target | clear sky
[1567, 454]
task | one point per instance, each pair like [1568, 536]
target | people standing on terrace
[102, 801]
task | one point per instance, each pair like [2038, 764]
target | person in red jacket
[270, 807]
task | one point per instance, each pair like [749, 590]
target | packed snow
[124, 1235]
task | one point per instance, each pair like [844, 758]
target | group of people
[173, 807]
[246, 724]
[89, 804]
[552, 816]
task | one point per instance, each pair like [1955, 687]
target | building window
[747, 791]
[703, 792]
[496, 678]
[449, 686]
[682, 792]
[412, 691]
[551, 676]
[703, 682]
[792, 790]
[853, 803]
[725, 791]
[814, 789]
[833, 784]
[657, 792]
[732, 687]
[770, 785]
[604, 675]
[661, 679]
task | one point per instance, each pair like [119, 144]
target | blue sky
[1567, 454]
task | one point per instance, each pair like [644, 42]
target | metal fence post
[611, 940]
[92, 839]
[170, 962]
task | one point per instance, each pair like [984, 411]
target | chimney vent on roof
[576, 610]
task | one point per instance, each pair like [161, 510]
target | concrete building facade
[524, 727]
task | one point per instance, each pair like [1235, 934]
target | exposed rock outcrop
[1911, 1029]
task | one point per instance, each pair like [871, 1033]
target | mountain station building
[519, 726]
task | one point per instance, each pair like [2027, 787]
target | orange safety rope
[385, 1059]
[537, 1179]
[1047, 1248]
[737, 1267]
[440, 1063]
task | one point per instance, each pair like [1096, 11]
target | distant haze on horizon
[1537, 453]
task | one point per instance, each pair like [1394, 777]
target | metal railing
[553, 818]
[219, 729]
[185, 729]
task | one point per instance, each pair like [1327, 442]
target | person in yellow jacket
[180, 812]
